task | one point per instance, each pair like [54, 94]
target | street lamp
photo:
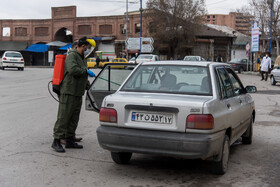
[126, 33]
[271, 3]
[141, 10]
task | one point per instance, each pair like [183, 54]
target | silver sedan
[172, 108]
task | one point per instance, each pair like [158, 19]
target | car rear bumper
[187, 145]
[13, 64]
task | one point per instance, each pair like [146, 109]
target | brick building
[234, 20]
[65, 26]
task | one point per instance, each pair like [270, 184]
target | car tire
[3, 68]
[248, 135]
[22, 69]
[240, 70]
[272, 80]
[220, 167]
[121, 157]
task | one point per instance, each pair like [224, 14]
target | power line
[223, 1]
[111, 1]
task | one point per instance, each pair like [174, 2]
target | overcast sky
[41, 9]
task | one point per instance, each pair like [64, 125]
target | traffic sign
[134, 44]
[248, 47]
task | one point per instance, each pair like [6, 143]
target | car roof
[147, 55]
[182, 62]
[12, 52]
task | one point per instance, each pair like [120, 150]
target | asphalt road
[28, 113]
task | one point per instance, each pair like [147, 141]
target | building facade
[234, 20]
[65, 26]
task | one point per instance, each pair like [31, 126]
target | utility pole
[271, 3]
[126, 27]
[141, 25]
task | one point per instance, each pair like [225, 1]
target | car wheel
[121, 157]
[272, 80]
[22, 69]
[3, 68]
[248, 135]
[220, 167]
[240, 70]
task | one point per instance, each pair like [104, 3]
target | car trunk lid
[166, 112]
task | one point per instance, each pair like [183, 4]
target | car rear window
[15, 55]
[194, 80]
[236, 60]
[191, 58]
[145, 57]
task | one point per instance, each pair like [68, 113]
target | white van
[12, 59]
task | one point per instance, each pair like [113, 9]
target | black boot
[57, 146]
[70, 143]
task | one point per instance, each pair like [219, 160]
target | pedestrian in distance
[265, 66]
[219, 58]
[75, 83]
[97, 61]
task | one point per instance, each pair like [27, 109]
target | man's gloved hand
[90, 73]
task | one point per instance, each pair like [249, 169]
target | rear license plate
[151, 118]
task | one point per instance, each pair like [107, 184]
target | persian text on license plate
[151, 118]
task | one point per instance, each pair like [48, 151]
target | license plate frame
[166, 119]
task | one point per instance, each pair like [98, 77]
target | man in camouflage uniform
[74, 84]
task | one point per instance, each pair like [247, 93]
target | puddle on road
[275, 113]
[268, 92]
[267, 123]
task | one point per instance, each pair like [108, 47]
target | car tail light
[21, 59]
[203, 122]
[108, 115]
[4, 58]
[233, 64]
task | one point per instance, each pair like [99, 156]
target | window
[111, 79]
[226, 87]
[123, 29]
[208, 17]
[41, 31]
[192, 80]
[237, 85]
[6, 31]
[84, 29]
[137, 28]
[105, 29]
[20, 31]
[214, 16]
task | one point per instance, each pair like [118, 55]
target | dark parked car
[240, 65]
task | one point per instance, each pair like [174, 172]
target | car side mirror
[251, 89]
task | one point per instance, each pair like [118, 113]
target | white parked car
[275, 75]
[12, 59]
[132, 60]
[147, 58]
[172, 108]
[194, 58]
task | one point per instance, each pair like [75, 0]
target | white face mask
[88, 51]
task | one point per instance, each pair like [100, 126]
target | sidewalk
[256, 73]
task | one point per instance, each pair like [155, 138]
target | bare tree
[175, 22]
[260, 10]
